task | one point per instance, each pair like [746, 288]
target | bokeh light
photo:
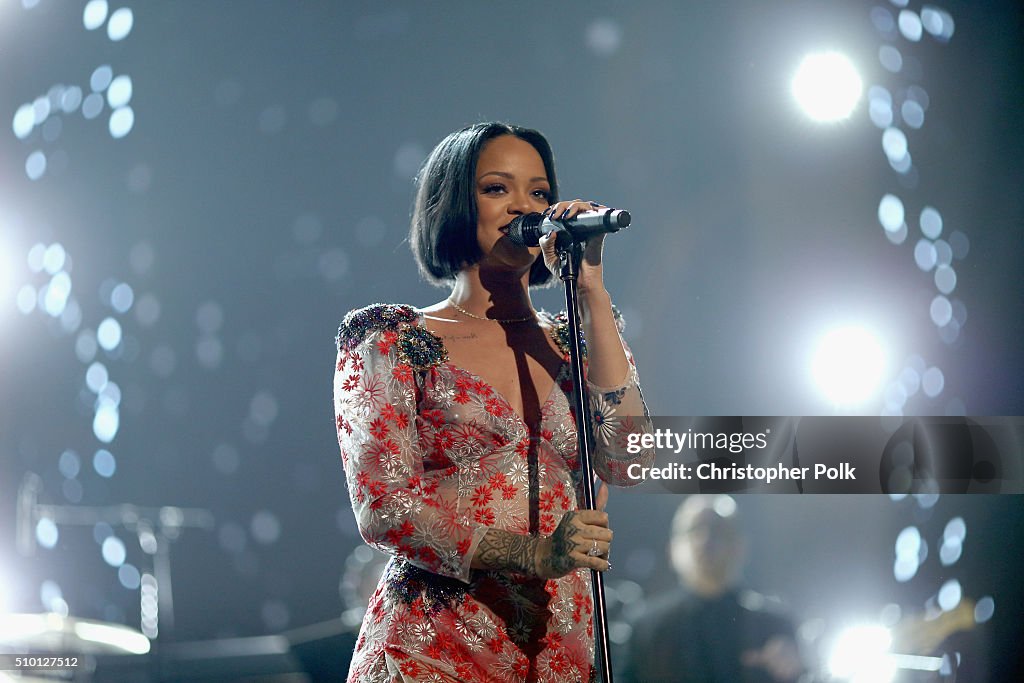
[92, 106]
[103, 462]
[47, 534]
[890, 58]
[35, 165]
[122, 120]
[114, 552]
[949, 595]
[120, 24]
[880, 106]
[938, 22]
[891, 213]
[119, 93]
[827, 86]
[94, 14]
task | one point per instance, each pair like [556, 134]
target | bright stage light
[827, 86]
[861, 655]
[848, 365]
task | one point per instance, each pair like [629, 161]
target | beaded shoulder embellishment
[560, 329]
[374, 318]
[417, 347]
[560, 333]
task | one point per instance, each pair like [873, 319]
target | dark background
[265, 189]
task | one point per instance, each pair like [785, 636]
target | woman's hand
[572, 545]
[582, 539]
[591, 278]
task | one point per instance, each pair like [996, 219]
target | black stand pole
[570, 254]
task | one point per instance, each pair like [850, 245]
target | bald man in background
[710, 631]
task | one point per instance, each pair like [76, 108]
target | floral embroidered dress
[434, 457]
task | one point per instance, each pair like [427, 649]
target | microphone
[528, 229]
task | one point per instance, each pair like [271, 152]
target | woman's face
[510, 181]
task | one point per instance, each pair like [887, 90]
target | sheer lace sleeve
[620, 416]
[404, 495]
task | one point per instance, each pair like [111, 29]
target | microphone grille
[523, 230]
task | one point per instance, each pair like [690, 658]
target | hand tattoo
[560, 561]
[506, 550]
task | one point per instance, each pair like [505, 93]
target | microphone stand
[570, 254]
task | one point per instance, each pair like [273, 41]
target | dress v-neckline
[421, 321]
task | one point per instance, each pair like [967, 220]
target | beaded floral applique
[419, 348]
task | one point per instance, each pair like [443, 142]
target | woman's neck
[494, 294]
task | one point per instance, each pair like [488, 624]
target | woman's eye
[539, 194]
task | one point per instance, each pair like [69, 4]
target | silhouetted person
[710, 631]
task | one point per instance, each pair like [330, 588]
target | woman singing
[458, 438]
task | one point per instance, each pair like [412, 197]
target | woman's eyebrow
[503, 174]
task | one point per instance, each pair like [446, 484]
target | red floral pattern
[433, 459]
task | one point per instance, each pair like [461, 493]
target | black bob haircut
[444, 218]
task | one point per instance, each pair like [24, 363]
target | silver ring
[594, 550]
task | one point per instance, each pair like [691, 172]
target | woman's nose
[519, 204]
